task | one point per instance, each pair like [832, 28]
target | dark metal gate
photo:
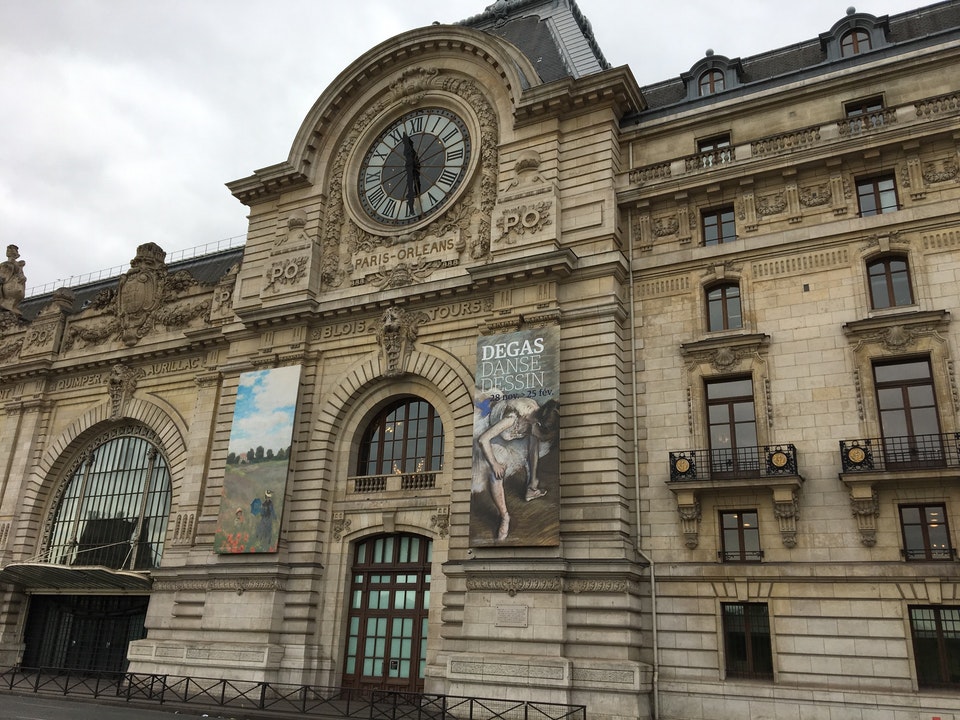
[83, 632]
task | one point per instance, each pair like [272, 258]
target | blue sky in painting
[266, 402]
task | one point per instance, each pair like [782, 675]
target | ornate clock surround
[348, 232]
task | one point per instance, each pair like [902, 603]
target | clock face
[414, 167]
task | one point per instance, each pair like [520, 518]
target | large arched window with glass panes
[114, 505]
[405, 437]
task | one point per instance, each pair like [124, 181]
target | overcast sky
[121, 120]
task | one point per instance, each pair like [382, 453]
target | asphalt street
[42, 707]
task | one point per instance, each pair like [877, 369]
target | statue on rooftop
[13, 283]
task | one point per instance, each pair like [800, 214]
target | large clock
[414, 167]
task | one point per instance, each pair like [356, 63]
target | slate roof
[554, 34]
[923, 25]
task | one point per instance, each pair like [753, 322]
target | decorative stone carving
[145, 297]
[816, 195]
[866, 510]
[440, 520]
[690, 522]
[941, 171]
[513, 585]
[527, 172]
[121, 385]
[341, 525]
[469, 220]
[13, 282]
[663, 227]
[10, 350]
[289, 271]
[397, 331]
[786, 508]
[771, 204]
[524, 219]
[295, 237]
[183, 529]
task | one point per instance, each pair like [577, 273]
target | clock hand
[412, 167]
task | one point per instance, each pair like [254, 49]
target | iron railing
[280, 699]
[908, 452]
[733, 463]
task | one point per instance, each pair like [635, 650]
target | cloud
[265, 409]
[123, 119]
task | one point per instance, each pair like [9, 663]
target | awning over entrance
[40, 577]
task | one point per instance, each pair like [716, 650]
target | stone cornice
[616, 89]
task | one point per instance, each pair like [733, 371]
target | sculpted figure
[13, 283]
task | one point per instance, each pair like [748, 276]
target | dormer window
[711, 75]
[856, 34]
[854, 43]
[711, 82]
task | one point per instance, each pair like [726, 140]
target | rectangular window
[746, 641]
[909, 421]
[723, 307]
[877, 196]
[936, 645]
[719, 226]
[889, 278]
[926, 535]
[732, 428]
[715, 150]
[740, 536]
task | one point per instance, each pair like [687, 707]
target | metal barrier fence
[280, 700]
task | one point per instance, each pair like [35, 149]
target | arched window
[405, 437]
[889, 278]
[854, 43]
[711, 82]
[115, 507]
[723, 307]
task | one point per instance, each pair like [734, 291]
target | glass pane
[902, 371]
[730, 388]
[910, 515]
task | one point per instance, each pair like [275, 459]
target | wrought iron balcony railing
[728, 464]
[908, 452]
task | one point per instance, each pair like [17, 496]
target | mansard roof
[913, 28]
[554, 34]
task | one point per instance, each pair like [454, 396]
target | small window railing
[865, 122]
[710, 158]
[725, 463]
[907, 452]
[373, 484]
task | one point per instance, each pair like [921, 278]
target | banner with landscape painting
[255, 480]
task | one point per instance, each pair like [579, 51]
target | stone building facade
[733, 290]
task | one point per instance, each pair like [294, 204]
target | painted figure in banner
[263, 535]
[512, 435]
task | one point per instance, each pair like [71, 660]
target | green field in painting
[238, 529]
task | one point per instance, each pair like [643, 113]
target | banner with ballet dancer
[516, 417]
[255, 479]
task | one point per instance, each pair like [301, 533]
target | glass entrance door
[387, 622]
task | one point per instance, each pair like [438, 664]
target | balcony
[733, 465]
[900, 454]
[375, 484]
[809, 140]
[867, 464]
[771, 468]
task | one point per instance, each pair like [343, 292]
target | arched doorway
[387, 619]
[89, 586]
